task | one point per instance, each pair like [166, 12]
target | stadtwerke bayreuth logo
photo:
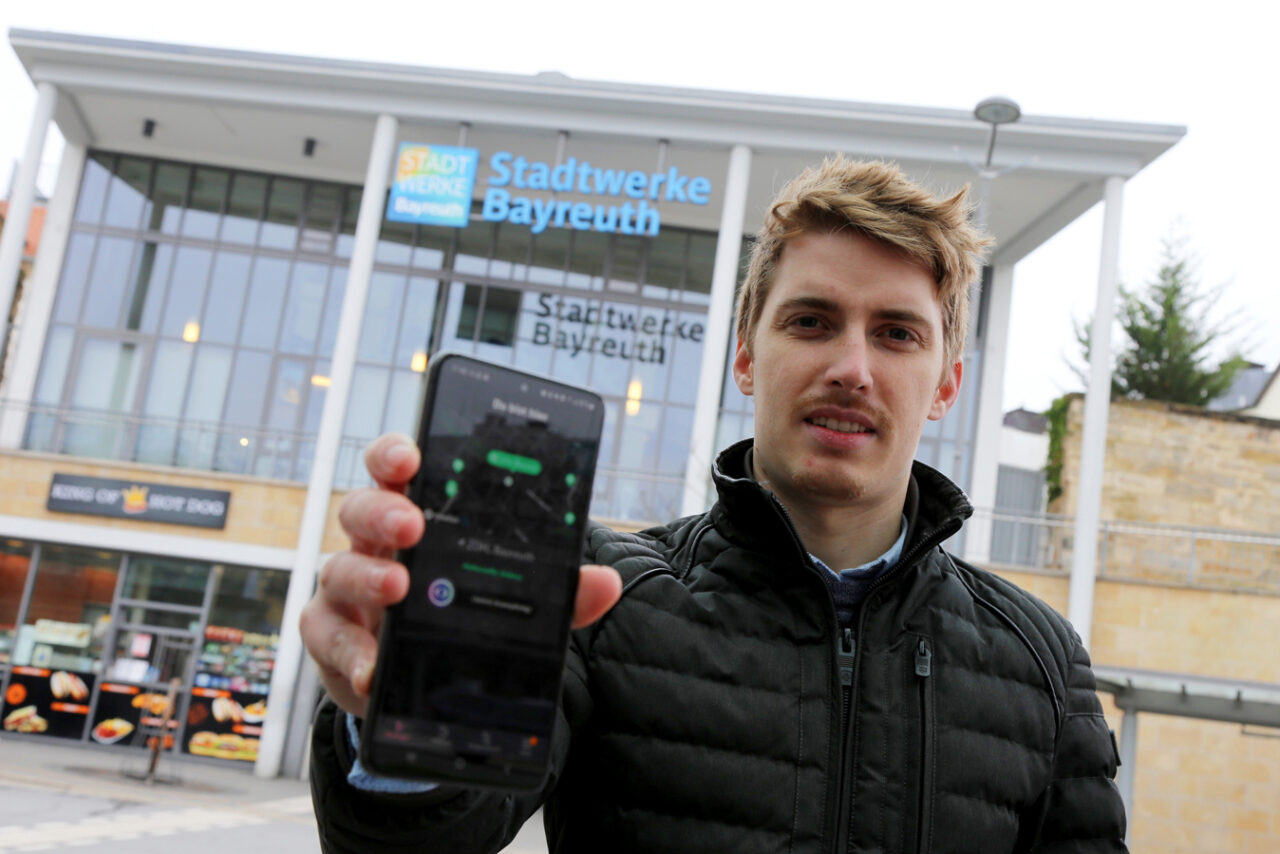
[433, 184]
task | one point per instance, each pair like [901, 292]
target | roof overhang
[1180, 695]
[253, 109]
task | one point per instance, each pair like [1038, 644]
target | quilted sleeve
[1081, 811]
[353, 821]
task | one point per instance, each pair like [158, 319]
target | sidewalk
[61, 799]
[109, 772]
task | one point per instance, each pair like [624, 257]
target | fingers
[392, 460]
[344, 652]
[361, 587]
[379, 522]
[339, 626]
[599, 589]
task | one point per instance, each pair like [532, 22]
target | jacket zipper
[845, 655]
[848, 664]
[846, 669]
[923, 670]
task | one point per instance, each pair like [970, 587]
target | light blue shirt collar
[885, 560]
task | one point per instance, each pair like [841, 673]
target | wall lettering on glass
[608, 330]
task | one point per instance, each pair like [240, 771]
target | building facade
[249, 260]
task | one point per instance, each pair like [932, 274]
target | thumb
[599, 589]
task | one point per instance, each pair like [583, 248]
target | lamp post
[995, 111]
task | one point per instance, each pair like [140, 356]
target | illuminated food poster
[41, 701]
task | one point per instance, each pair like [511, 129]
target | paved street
[55, 798]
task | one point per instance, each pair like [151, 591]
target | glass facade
[198, 307]
[95, 639]
[194, 318]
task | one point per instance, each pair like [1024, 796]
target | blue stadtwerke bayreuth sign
[434, 186]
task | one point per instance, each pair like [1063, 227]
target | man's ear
[743, 369]
[947, 392]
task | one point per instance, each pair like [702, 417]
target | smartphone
[470, 663]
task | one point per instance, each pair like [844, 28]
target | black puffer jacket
[708, 714]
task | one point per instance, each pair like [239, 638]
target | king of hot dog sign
[131, 499]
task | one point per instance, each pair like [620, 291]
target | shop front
[120, 649]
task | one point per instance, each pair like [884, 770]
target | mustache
[847, 400]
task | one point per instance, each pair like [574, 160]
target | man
[802, 668]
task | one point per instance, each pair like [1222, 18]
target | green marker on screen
[513, 463]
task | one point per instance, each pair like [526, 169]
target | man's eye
[897, 333]
[808, 321]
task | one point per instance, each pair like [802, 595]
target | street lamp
[995, 111]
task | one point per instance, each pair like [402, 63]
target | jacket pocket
[922, 666]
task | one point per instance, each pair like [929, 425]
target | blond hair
[877, 200]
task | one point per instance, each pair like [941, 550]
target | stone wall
[1181, 465]
[1199, 785]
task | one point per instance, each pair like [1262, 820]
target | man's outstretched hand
[340, 624]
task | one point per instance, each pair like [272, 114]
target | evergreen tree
[1165, 356]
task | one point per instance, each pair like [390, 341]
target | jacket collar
[753, 516]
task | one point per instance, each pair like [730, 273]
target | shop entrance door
[150, 644]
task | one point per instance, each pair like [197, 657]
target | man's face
[845, 365]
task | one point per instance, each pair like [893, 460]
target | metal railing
[249, 451]
[1196, 557]
[173, 442]
[1140, 551]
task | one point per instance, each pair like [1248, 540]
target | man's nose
[850, 366]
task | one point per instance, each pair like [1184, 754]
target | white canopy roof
[254, 110]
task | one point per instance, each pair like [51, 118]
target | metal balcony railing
[257, 452]
[1127, 551]
[1140, 551]
[174, 442]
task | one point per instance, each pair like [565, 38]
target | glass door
[156, 626]
[133, 700]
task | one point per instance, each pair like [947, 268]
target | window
[73, 588]
[15, 563]
[248, 599]
[167, 580]
[198, 309]
[498, 320]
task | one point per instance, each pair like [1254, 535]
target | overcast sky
[1213, 69]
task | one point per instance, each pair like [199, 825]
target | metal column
[21, 199]
[32, 328]
[724, 278]
[1097, 404]
[986, 440]
[319, 489]
[1128, 764]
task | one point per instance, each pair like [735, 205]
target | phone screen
[470, 662]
